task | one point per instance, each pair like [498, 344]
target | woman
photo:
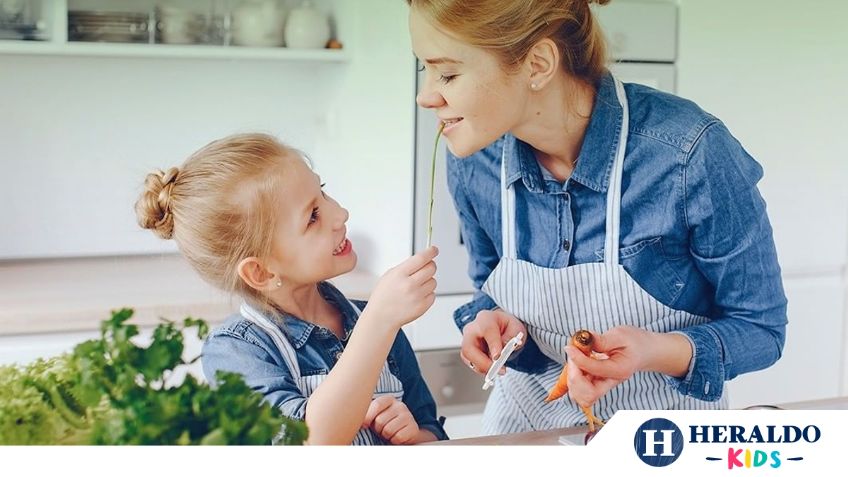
[587, 203]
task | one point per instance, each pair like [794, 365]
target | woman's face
[467, 88]
[311, 242]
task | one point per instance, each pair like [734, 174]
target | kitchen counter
[57, 296]
[551, 437]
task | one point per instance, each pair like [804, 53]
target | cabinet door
[812, 362]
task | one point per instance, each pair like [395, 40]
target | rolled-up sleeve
[732, 245]
[225, 350]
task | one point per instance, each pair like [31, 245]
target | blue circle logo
[658, 442]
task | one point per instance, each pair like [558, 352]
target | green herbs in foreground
[433, 186]
[111, 391]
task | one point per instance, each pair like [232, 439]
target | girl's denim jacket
[242, 347]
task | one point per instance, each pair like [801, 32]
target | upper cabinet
[271, 29]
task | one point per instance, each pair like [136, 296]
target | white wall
[775, 72]
[78, 134]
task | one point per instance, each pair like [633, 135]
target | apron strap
[614, 191]
[509, 247]
[276, 334]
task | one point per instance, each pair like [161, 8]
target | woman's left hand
[625, 350]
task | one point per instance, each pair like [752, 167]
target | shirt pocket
[651, 263]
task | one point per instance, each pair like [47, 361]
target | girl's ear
[253, 272]
[543, 63]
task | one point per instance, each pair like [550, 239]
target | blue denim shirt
[694, 229]
[242, 347]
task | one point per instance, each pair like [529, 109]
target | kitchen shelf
[145, 50]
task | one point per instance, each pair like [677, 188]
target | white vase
[258, 23]
[307, 27]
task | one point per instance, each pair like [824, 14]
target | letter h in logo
[651, 443]
[658, 442]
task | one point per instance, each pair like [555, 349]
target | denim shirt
[242, 347]
[694, 229]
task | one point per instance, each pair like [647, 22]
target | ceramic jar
[257, 23]
[307, 27]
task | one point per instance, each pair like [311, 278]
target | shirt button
[566, 245]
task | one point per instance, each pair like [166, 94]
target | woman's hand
[406, 291]
[392, 421]
[484, 338]
[624, 351]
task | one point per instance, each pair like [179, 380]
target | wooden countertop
[551, 437]
[49, 296]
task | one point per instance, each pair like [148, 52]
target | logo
[658, 442]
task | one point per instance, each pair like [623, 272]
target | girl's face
[467, 88]
[311, 242]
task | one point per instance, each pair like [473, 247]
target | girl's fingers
[376, 408]
[424, 273]
[383, 421]
[393, 427]
[418, 261]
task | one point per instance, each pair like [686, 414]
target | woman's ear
[543, 63]
[256, 276]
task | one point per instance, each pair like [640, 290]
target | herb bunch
[112, 391]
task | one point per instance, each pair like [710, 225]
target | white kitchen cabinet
[812, 363]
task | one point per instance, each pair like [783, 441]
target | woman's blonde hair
[509, 28]
[220, 206]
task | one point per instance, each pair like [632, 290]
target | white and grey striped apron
[387, 384]
[554, 303]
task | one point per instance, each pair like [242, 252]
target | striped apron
[387, 384]
[554, 303]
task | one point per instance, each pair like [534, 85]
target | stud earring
[534, 86]
[279, 283]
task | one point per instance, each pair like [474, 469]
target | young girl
[251, 217]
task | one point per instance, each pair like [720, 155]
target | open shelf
[144, 50]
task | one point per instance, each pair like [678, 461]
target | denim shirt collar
[298, 331]
[594, 163]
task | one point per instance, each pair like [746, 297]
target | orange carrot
[581, 340]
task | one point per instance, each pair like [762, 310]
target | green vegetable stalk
[433, 186]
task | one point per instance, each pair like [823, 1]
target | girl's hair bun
[153, 208]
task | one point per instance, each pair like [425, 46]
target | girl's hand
[406, 291]
[391, 420]
[484, 338]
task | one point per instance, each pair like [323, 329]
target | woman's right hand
[407, 290]
[484, 338]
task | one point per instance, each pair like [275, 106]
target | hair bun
[153, 208]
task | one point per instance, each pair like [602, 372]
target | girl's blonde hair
[509, 28]
[220, 206]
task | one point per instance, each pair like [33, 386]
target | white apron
[554, 303]
[387, 384]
